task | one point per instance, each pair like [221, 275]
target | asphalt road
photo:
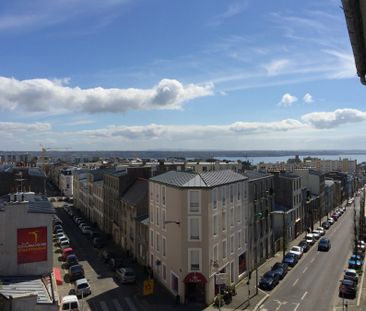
[107, 294]
[313, 283]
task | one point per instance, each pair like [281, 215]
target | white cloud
[308, 98]
[276, 67]
[24, 127]
[328, 120]
[287, 100]
[235, 8]
[38, 95]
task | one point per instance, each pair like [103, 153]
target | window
[163, 193]
[163, 213]
[158, 216]
[214, 198]
[231, 193]
[174, 283]
[223, 195]
[194, 201]
[194, 228]
[238, 213]
[151, 214]
[194, 259]
[151, 192]
[223, 220]
[232, 244]
[224, 249]
[215, 225]
[151, 238]
[164, 272]
[152, 261]
[238, 239]
[157, 193]
[215, 253]
[164, 246]
[158, 242]
[232, 220]
[238, 191]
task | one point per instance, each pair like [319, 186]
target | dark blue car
[355, 262]
[269, 280]
[280, 268]
[291, 259]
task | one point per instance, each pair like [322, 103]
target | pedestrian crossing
[113, 304]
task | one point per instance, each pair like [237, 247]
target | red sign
[32, 244]
[195, 277]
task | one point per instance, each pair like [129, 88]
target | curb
[261, 302]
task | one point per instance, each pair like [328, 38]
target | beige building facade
[198, 228]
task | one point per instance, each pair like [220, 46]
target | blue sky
[170, 74]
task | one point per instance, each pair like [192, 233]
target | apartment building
[202, 166]
[260, 206]
[198, 228]
[66, 182]
[288, 199]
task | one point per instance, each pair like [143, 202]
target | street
[106, 295]
[313, 283]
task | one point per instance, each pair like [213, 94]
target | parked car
[98, 242]
[351, 274]
[316, 234]
[59, 230]
[86, 229]
[64, 244]
[335, 216]
[269, 280]
[57, 227]
[82, 287]
[331, 220]
[297, 250]
[59, 235]
[321, 230]
[62, 238]
[291, 259]
[280, 268]
[305, 245]
[347, 289]
[71, 260]
[310, 238]
[70, 303]
[355, 262]
[324, 244]
[76, 272]
[66, 252]
[326, 225]
[126, 275]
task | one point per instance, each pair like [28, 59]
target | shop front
[195, 283]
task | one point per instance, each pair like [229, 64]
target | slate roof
[136, 192]
[199, 180]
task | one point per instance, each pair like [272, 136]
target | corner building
[198, 228]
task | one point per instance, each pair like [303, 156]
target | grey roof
[35, 171]
[39, 205]
[199, 180]
[137, 192]
[252, 175]
[21, 286]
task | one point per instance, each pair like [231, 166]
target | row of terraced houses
[188, 224]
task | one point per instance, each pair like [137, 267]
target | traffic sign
[148, 287]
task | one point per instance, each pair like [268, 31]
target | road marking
[130, 304]
[303, 296]
[297, 305]
[295, 282]
[312, 260]
[117, 305]
[305, 269]
[104, 306]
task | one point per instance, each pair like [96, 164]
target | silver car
[126, 275]
[82, 287]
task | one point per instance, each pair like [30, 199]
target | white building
[198, 228]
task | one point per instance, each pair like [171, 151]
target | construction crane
[43, 160]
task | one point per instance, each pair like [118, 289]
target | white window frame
[215, 225]
[163, 246]
[224, 248]
[189, 202]
[199, 250]
[199, 228]
[232, 244]
[152, 238]
[157, 242]
[224, 220]
[163, 219]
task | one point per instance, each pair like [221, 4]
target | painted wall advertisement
[31, 245]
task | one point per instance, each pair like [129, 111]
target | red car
[66, 252]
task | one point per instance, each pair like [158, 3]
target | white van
[70, 303]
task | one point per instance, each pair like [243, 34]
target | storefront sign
[195, 277]
[31, 245]
[221, 278]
